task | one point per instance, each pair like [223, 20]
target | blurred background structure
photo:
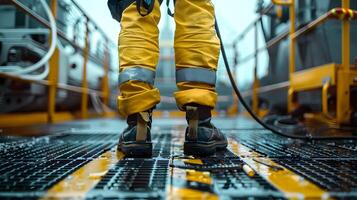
[295, 62]
[76, 76]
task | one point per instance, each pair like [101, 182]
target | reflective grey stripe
[200, 75]
[137, 74]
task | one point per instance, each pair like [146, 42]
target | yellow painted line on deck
[85, 178]
[176, 193]
[193, 161]
[192, 175]
[291, 184]
[189, 175]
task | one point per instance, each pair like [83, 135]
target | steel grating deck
[82, 162]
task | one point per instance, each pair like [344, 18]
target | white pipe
[41, 76]
[46, 58]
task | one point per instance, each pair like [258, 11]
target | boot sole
[203, 149]
[136, 149]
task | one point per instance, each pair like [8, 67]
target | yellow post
[255, 97]
[84, 102]
[292, 16]
[53, 74]
[343, 84]
[233, 109]
[292, 66]
[105, 84]
[325, 90]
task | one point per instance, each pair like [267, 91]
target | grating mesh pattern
[36, 164]
[35, 175]
[53, 150]
[30, 166]
[136, 176]
[333, 175]
[275, 146]
[230, 181]
[330, 165]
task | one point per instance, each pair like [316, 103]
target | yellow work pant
[196, 46]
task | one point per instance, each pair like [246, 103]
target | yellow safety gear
[196, 54]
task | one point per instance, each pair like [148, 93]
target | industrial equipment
[314, 89]
[57, 65]
[80, 47]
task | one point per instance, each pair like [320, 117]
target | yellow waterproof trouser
[196, 54]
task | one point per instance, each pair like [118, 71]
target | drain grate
[332, 175]
[54, 150]
[162, 145]
[230, 181]
[89, 137]
[139, 175]
[35, 175]
[275, 146]
[36, 164]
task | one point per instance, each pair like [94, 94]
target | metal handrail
[91, 20]
[335, 13]
[52, 82]
[332, 14]
[268, 45]
[47, 83]
[45, 23]
[253, 23]
[61, 34]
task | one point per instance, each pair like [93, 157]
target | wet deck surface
[79, 159]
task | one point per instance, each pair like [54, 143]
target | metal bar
[46, 24]
[268, 45]
[53, 74]
[297, 34]
[84, 99]
[346, 39]
[343, 86]
[292, 64]
[319, 21]
[255, 98]
[42, 21]
[252, 24]
[105, 84]
[325, 91]
[18, 78]
[292, 16]
[268, 88]
[283, 2]
[79, 89]
[47, 83]
[311, 25]
[89, 19]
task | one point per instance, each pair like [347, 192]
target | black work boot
[202, 138]
[135, 141]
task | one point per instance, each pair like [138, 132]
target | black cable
[254, 116]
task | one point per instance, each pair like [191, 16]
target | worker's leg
[138, 57]
[197, 50]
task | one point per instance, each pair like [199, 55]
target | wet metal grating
[140, 175]
[332, 175]
[36, 164]
[329, 164]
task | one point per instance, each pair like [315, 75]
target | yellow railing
[256, 89]
[52, 83]
[344, 73]
[341, 76]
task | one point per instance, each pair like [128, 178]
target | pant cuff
[197, 96]
[138, 103]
